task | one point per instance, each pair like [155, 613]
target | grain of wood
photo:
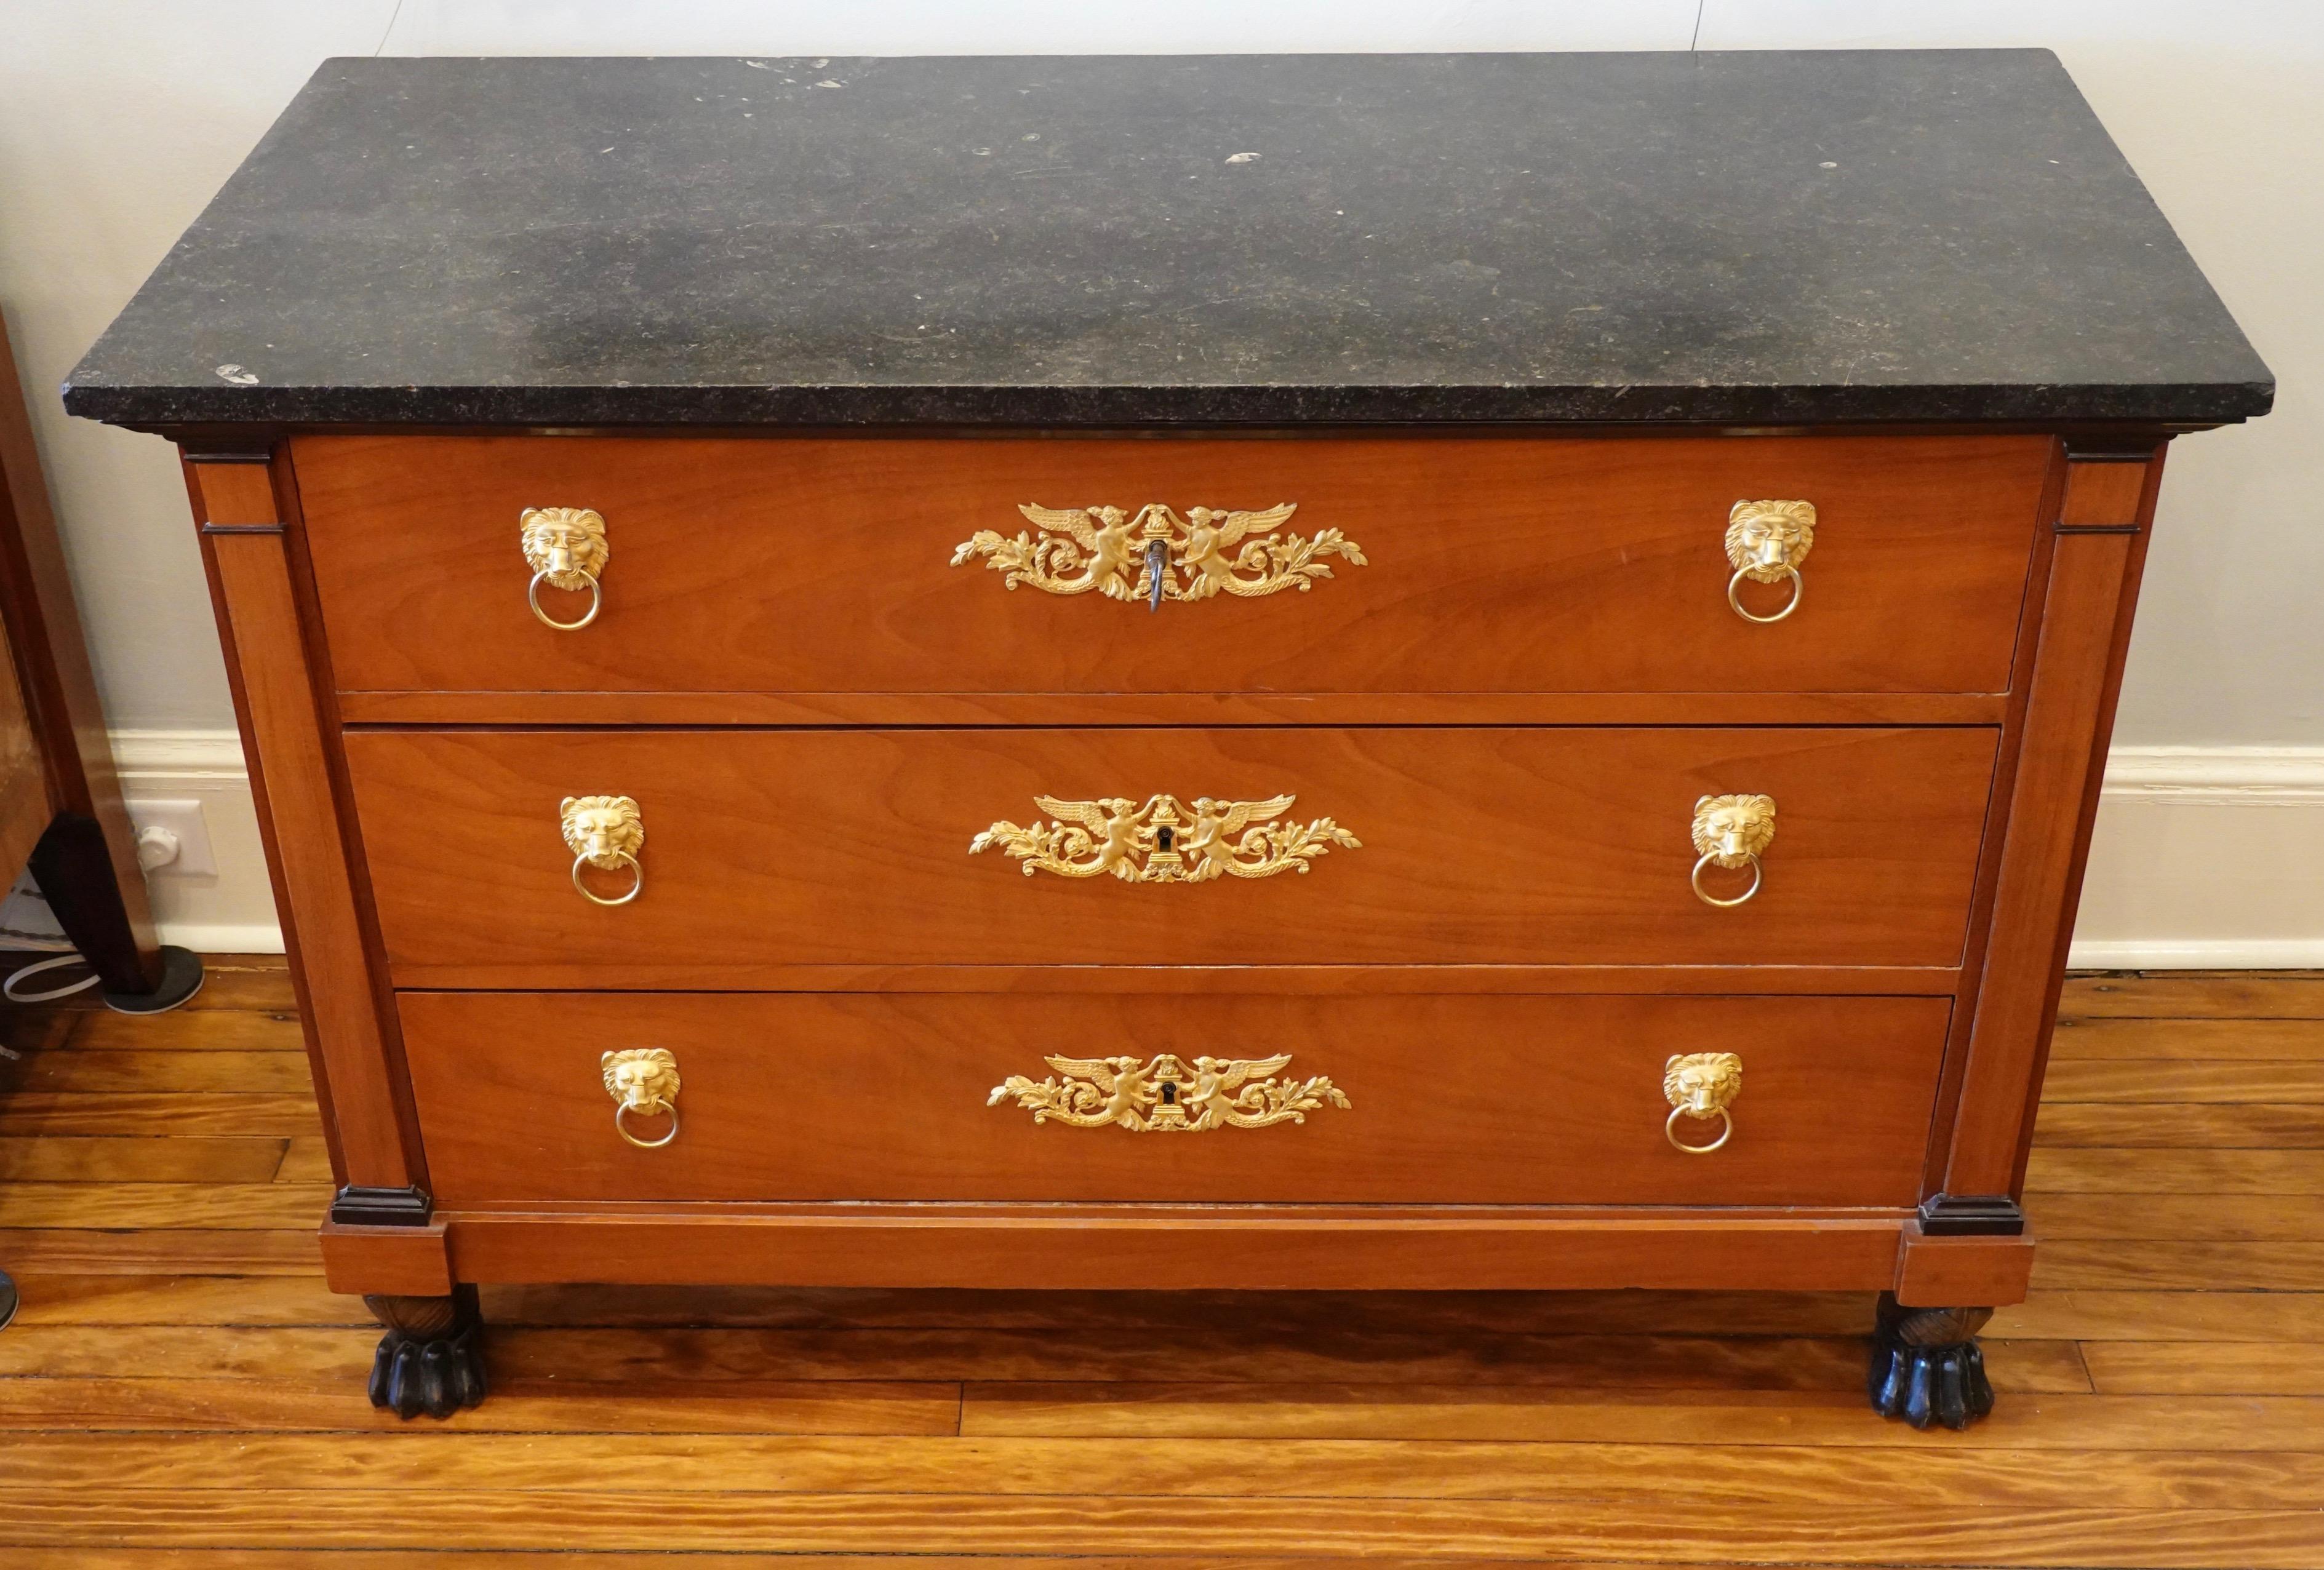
[1849, 1533]
[213, 1031]
[53, 1159]
[2150, 1315]
[307, 1159]
[143, 1252]
[2067, 1170]
[334, 1404]
[108, 1073]
[2181, 1265]
[2195, 995]
[192, 1351]
[2039, 1422]
[2171, 1217]
[2260, 1368]
[1185, 1468]
[54, 1298]
[526, 1559]
[2214, 1041]
[2179, 1081]
[2180, 1126]
[281, 1114]
[259, 1205]
[28, 1031]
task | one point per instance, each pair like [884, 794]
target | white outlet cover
[182, 817]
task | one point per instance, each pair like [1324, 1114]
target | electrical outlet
[173, 839]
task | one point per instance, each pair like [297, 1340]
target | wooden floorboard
[180, 1392]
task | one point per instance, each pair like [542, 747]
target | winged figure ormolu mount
[1157, 555]
[1165, 1096]
[1165, 841]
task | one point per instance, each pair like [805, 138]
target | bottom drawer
[1378, 1100]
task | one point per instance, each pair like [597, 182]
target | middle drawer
[754, 850]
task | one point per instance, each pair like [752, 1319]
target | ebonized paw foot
[1927, 1367]
[431, 1359]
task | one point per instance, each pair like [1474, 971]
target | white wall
[119, 118]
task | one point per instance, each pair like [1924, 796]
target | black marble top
[1753, 237]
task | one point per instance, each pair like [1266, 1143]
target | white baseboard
[2205, 857]
[231, 913]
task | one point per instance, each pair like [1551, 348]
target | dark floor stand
[1927, 1367]
[431, 1359]
[68, 823]
[75, 872]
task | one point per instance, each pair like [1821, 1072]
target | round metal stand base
[181, 978]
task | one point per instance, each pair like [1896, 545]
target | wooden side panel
[1508, 565]
[2093, 587]
[768, 849]
[1471, 1100]
[245, 537]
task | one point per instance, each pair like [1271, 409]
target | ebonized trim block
[1971, 1215]
[357, 1205]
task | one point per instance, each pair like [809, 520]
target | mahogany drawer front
[1513, 565]
[1538, 845]
[1458, 1099]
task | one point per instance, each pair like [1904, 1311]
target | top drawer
[1418, 565]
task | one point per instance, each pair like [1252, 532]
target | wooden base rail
[1106, 1247]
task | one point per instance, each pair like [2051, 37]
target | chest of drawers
[1109, 673]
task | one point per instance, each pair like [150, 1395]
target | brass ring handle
[1733, 600]
[648, 1109]
[1731, 831]
[1766, 541]
[644, 1080]
[1701, 1085]
[1670, 1130]
[1711, 899]
[620, 858]
[605, 833]
[565, 547]
[596, 600]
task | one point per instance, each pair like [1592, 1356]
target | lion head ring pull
[643, 1083]
[1732, 833]
[1766, 541]
[605, 833]
[1701, 1085]
[565, 549]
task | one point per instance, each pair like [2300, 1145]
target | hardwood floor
[179, 1390]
